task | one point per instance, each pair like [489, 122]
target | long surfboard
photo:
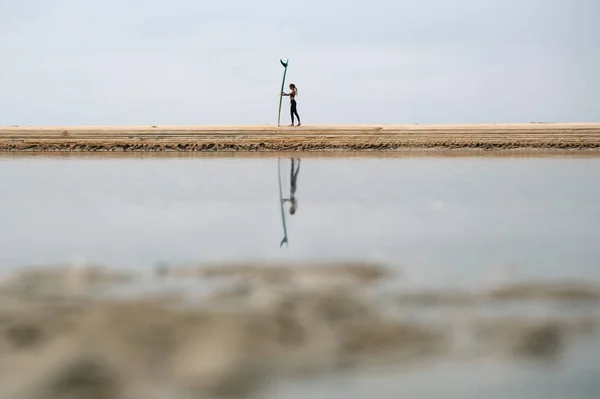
[285, 65]
[285, 239]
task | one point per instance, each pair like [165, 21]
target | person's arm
[284, 93]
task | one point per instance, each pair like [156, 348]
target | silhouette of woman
[293, 180]
[293, 111]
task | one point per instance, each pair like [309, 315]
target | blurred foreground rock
[269, 323]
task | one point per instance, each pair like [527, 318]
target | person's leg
[297, 169]
[292, 171]
[297, 116]
[292, 180]
[292, 110]
[294, 175]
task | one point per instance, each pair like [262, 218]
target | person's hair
[293, 86]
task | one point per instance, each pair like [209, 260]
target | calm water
[442, 221]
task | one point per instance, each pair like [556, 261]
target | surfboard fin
[284, 241]
[285, 64]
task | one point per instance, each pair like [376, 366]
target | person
[293, 106]
[293, 179]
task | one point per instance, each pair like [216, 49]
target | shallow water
[576, 378]
[441, 219]
[439, 222]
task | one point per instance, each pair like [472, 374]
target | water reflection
[294, 170]
[449, 222]
[259, 314]
[293, 179]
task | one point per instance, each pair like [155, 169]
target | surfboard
[285, 65]
[285, 238]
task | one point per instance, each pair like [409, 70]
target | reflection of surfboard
[285, 65]
[285, 239]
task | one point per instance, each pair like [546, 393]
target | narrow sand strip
[266, 138]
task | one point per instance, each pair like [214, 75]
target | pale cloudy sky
[153, 62]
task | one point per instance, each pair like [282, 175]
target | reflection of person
[293, 111]
[293, 177]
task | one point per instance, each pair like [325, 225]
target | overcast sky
[153, 62]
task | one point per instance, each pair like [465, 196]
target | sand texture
[268, 138]
[66, 332]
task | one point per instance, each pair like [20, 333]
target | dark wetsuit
[293, 110]
[293, 179]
